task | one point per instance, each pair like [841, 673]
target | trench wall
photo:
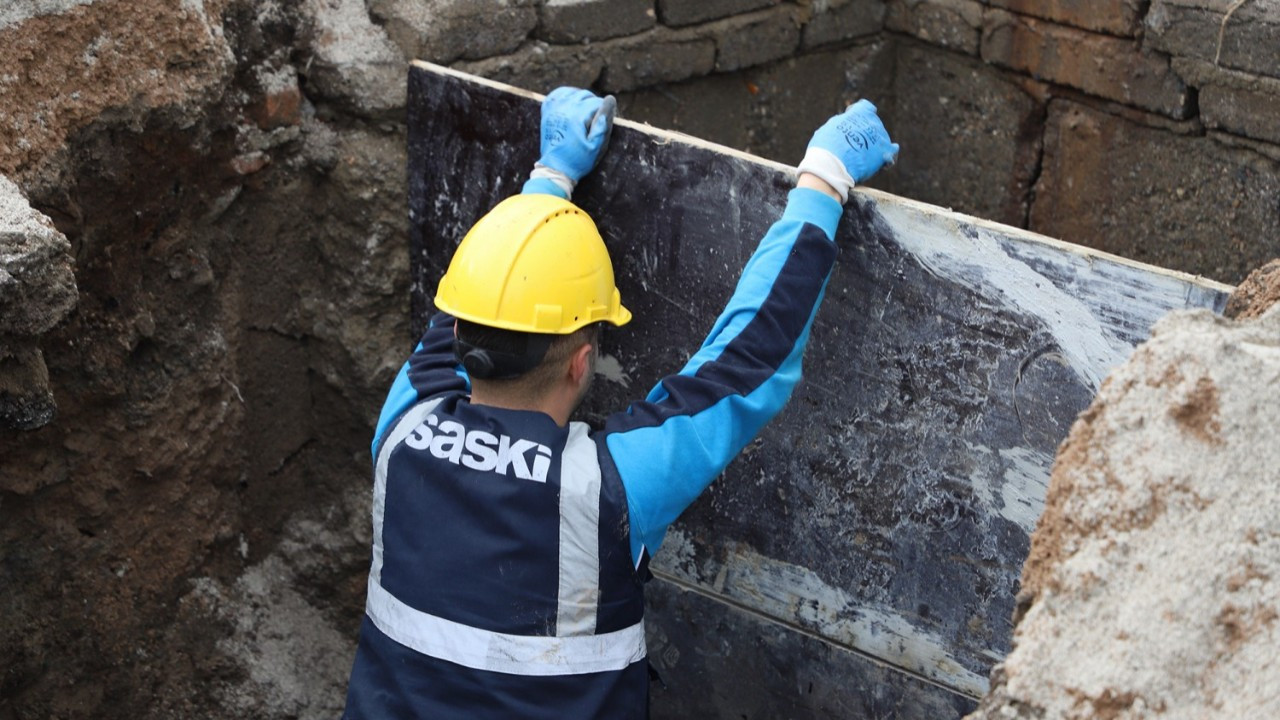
[204, 285]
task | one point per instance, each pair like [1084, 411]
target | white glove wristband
[827, 166]
[562, 181]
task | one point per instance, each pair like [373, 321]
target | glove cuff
[561, 180]
[827, 166]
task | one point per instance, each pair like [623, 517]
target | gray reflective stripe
[579, 595]
[416, 415]
[500, 652]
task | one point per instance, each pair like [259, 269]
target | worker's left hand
[849, 148]
[575, 131]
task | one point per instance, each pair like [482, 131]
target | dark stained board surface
[871, 539]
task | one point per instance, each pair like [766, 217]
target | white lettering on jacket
[480, 450]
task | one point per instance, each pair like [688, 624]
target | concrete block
[446, 30]
[1191, 28]
[1235, 102]
[755, 38]
[541, 67]
[953, 143]
[688, 12]
[1183, 202]
[581, 21]
[777, 106]
[1121, 17]
[658, 56]
[837, 23]
[952, 24]
[1109, 67]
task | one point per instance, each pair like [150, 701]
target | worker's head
[530, 284]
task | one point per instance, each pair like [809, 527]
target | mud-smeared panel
[887, 510]
[718, 661]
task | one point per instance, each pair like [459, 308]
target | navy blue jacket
[508, 551]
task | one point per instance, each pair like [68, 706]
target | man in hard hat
[510, 544]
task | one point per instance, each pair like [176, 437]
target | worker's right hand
[575, 131]
[849, 148]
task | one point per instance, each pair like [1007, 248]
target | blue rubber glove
[576, 125]
[849, 148]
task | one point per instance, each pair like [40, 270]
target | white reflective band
[578, 599]
[499, 652]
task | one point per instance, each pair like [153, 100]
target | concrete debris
[352, 63]
[1153, 585]
[37, 288]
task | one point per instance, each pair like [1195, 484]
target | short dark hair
[544, 353]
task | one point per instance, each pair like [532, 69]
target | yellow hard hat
[535, 263]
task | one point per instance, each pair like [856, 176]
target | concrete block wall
[1149, 129]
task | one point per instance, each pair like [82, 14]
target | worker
[510, 544]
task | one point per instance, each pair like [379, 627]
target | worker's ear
[580, 363]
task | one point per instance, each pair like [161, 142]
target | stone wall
[1144, 129]
[203, 268]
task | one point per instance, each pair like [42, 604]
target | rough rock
[1107, 67]
[37, 291]
[1153, 583]
[1256, 294]
[953, 24]
[1192, 29]
[37, 286]
[582, 21]
[67, 63]
[444, 30]
[1182, 202]
[26, 401]
[352, 63]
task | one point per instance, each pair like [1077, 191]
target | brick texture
[654, 57]
[854, 19]
[1184, 202]
[1235, 102]
[1109, 16]
[754, 38]
[1190, 28]
[1101, 65]
[688, 12]
[541, 67]
[952, 24]
[580, 21]
[443, 31]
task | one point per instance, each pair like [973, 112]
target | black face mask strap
[493, 365]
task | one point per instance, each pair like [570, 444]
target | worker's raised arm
[576, 125]
[667, 449]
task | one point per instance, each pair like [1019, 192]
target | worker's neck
[558, 402]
